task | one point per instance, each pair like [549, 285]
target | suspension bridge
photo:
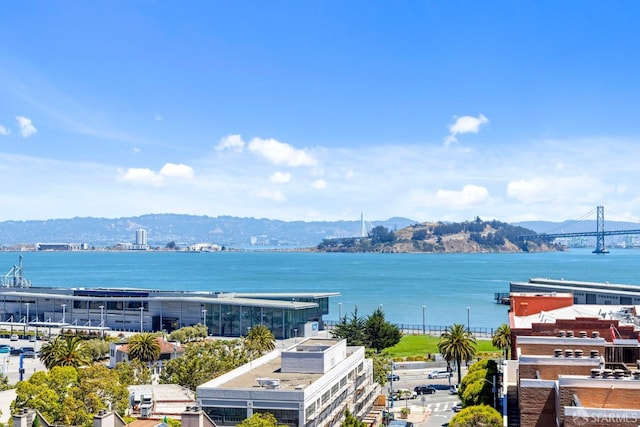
[599, 233]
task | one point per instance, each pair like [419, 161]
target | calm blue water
[445, 283]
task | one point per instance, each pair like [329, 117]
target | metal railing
[418, 329]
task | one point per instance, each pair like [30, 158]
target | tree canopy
[457, 344]
[473, 416]
[65, 351]
[373, 332]
[502, 339]
[144, 347]
[260, 339]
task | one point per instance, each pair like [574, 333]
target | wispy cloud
[231, 143]
[470, 195]
[465, 124]
[147, 176]
[280, 153]
[4, 131]
[280, 177]
[319, 184]
[27, 128]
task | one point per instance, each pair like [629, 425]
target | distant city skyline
[435, 111]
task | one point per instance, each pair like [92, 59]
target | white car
[14, 337]
[439, 374]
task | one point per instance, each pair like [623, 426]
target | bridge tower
[600, 248]
[363, 227]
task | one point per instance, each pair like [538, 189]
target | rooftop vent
[595, 334]
[594, 353]
[618, 373]
[595, 373]
[562, 334]
[636, 375]
[570, 334]
[583, 334]
[568, 352]
[577, 352]
[606, 373]
[557, 352]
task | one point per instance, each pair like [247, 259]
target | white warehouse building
[307, 385]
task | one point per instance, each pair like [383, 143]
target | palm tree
[502, 339]
[65, 351]
[144, 347]
[457, 344]
[260, 339]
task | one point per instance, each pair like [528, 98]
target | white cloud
[27, 129]
[280, 153]
[140, 176]
[231, 143]
[280, 177]
[276, 196]
[319, 184]
[4, 131]
[560, 189]
[465, 124]
[470, 195]
[173, 170]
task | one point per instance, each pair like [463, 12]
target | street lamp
[468, 324]
[424, 307]
[494, 390]
[204, 316]
[295, 335]
[27, 305]
[141, 308]
[339, 310]
[64, 306]
[102, 320]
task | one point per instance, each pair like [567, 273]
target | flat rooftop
[259, 375]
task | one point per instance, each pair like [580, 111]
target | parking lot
[10, 364]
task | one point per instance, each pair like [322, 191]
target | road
[436, 406]
[10, 365]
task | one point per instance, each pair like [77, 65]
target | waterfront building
[307, 385]
[226, 314]
[119, 352]
[583, 292]
[572, 364]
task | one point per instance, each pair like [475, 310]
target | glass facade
[234, 321]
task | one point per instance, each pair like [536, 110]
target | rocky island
[466, 237]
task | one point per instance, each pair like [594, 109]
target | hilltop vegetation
[439, 237]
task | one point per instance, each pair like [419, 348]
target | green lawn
[422, 345]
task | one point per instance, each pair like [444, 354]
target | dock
[502, 298]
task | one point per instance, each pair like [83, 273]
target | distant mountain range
[232, 232]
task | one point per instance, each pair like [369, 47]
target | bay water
[454, 288]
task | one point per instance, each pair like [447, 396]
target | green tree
[97, 348]
[4, 382]
[381, 234]
[502, 339]
[46, 392]
[65, 351]
[203, 361]
[100, 388]
[133, 373]
[144, 347]
[353, 330]
[457, 344]
[476, 387]
[259, 419]
[380, 333]
[350, 420]
[260, 339]
[473, 416]
[381, 365]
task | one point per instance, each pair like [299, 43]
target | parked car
[457, 407]
[403, 393]
[424, 389]
[29, 352]
[440, 374]
[14, 337]
[15, 351]
[393, 377]
[32, 338]
[453, 389]
[4, 348]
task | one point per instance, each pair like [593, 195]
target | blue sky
[432, 110]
